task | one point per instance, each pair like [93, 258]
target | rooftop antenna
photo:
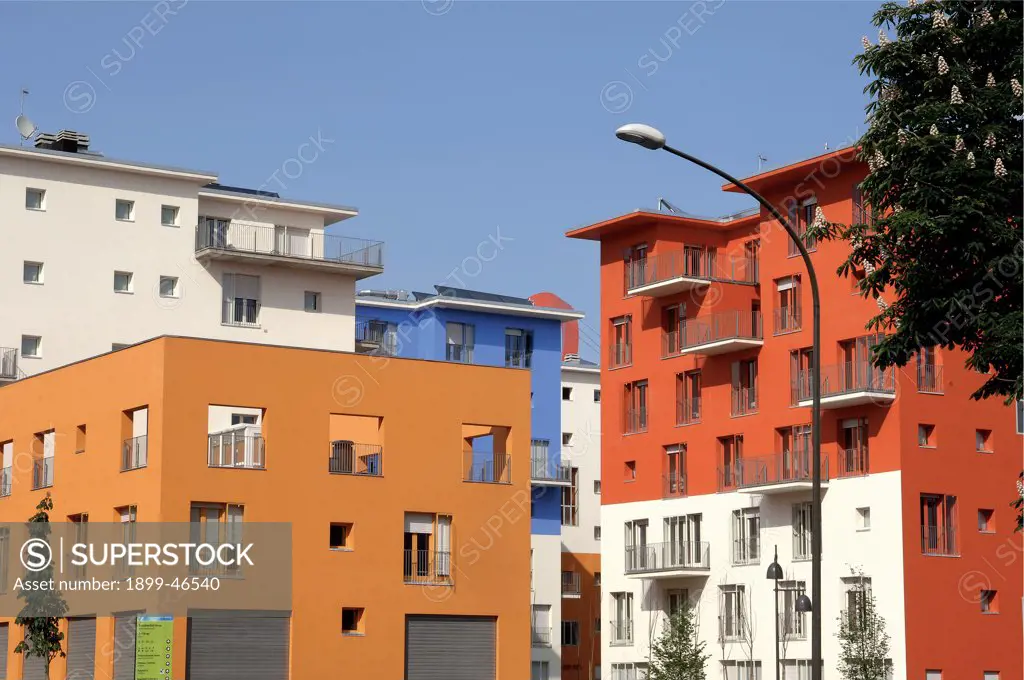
[761, 160]
[826, 146]
[26, 128]
[663, 204]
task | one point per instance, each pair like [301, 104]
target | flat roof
[97, 161]
[596, 231]
[787, 172]
[252, 197]
[471, 300]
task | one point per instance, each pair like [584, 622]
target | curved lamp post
[652, 138]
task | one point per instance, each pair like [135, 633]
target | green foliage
[42, 633]
[678, 654]
[863, 641]
[945, 186]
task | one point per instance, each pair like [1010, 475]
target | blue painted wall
[421, 335]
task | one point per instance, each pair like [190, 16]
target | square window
[926, 436]
[566, 438]
[122, 282]
[597, 533]
[863, 519]
[32, 272]
[124, 210]
[35, 199]
[597, 396]
[630, 470]
[566, 394]
[31, 346]
[169, 286]
[986, 523]
[352, 621]
[341, 536]
[597, 486]
[311, 301]
[933, 675]
[989, 603]
[983, 440]
[169, 215]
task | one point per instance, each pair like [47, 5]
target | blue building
[453, 324]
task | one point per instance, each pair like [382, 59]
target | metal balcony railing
[852, 462]
[290, 242]
[518, 359]
[692, 262]
[635, 421]
[746, 550]
[929, 379]
[377, 338]
[6, 481]
[241, 312]
[240, 447]
[42, 473]
[786, 319]
[674, 485]
[543, 468]
[693, 333]
[620, 355]
[462, 354]
[8, 363]
[350, 458]
[540, 637]
[571, 584]
[780, 468]
[846, 378]
[620, 632]
[134, 453]
[938, 540]
[490, 468]
[688, 411]
[744, 401]
[428, 567]
[667, 556]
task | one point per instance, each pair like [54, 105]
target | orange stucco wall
[584, 661]
[422, 406]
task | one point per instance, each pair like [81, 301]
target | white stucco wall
[547, 590]
[582, 417]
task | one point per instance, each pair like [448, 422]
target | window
[124, 211]
[541, 625]
[802, 216]
[570, 584]
[741, 670]
[622, 342]
[787, 304]
[570, 500]
[566, 394]
[983, 440]
[122, 282]
[635, 266]
[926, 436]
[989, 603]
[80, 439]
[597, 581]
[567, 439]
[731, 611]
[746, 536]
[863, 519]
[933, 675]
[800, 669]
[31, 346]
[597, 486]
[427, 542]
[673, 324]
[929, 373]
[169, 286]
[352, 621]
[35, 199]
[241, 300]
[32, 272]
[597, 398]
[853, 446]
[1020, 417]
[341, 536]
[622, 618]
[311, 301]
[677, 599]
[519, 348]
[539, 670]
[570, 633]
[986, 523]
[938, 524]
[244, 419]
[800, 374]
[635, 403]
[169, 215]
[730, 451]
[627, 671]
[630, 470]
[459, 340]
[792, 623]
[115, 346]
[597, 532]
[991, 675]
[744, 387]
[675, 470]
[801, 531]
[688, 398]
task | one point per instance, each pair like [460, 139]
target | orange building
[400, 567]
[706, 332]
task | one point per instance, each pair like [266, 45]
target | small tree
[863, 641]
[42, 633]
[678, 654]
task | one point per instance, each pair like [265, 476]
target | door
[237, 644]
[450, 648]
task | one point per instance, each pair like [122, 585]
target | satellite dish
[26, 128]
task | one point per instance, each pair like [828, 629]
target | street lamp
[652, 138]
[775, 573]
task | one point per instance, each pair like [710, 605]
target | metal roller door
[238, 645]
[4, 628]
[450, 648]
[33, 668]
[81, 649]
[124, 646]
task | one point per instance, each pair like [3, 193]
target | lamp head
[803, 604]
[644, 135]
[774, 571]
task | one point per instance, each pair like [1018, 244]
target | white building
[99, 253]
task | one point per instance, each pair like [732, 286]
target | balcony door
[853, 442]
[675, 463]
[684, 539]
[291, 241]
[636, 266]
[636, 544]
[674, 326]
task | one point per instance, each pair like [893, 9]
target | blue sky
[453, 123]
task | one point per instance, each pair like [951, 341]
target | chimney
[68, 141]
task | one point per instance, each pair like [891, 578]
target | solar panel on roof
[464, 294]
[243, 190]
[418, 296]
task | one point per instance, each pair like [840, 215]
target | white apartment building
[99, 253]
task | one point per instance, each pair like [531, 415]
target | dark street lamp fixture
[652, 138]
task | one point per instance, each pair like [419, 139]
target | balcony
[349, 458]
[620, 633]
[374, 337]
[744, 401]
[691, 267]
[673, 485]
[6, 480]
[42, 473]
[635, 421]
[929, 379]
[786, 320]
[9, 370]
[571, 584]
[540, 637]
[288, 246]
[134, 453]
[238, 447]
[779, 473]
[674, 559]
[715, 334]
[487, 468]
[620, 355]
[688, 411]
[428, 567]
[545, 471]
[939, 540]
[848, 384]
[852, 462]
[746, 551]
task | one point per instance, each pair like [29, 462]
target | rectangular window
[80, 439]
[986, 523]
[856, 591]
[241, 300]
[792, 623]
[566, 394]
[352, 621]
[991, 675]
[122, 282]
[567, 439]
[341, 536]
[124, 210]
[744, 387]
[311, 301]
[673, 324]
[597, 532]
[933, 675]
[621, 349]
[459, 341]
[731, 611]
[570, 500]
[541, 625]
[1020, 416]
[800, 374]
[926, 436]
[746, 536]
[983, 441]
[519, 348]
[32, 272]
[801, 217]
[802, 531]
[938, 524]
[863, 519]
[169, 215]
[787, 304]
[635, 402]
[675, 470]
[730, 451]
[31, 346]
[570, 633]
[989, 602]
[929, 373]
[742, 670]
[853, 437]
[597, 396]
[688, 397]
[677, 600]
[169, 286]
[35, 199]
[622, 618]
[597, 486]
[630, 470]
[539, 670]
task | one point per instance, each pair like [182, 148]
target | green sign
[154, 642]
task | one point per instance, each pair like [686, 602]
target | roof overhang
[474, 305]
[639, 218]
[827, 164]
[330, 213]
[103, 163]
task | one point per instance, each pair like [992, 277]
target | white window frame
[38, 352]
[864, 518]
[229, 307]
[793, 624]
[317, 301]
[746, 545]
[461, 336]
[131, 210]
[731, 598]
[802, 531]
[174, 286]
[742, 670]
[174, 220]
[539, 670]
[38, 281]
[128, 277]
[42, 199]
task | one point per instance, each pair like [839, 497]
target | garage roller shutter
[81, 649]
[450, 648]
[4, 628]
[238, 645]
[33, 668]
[124, 646]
